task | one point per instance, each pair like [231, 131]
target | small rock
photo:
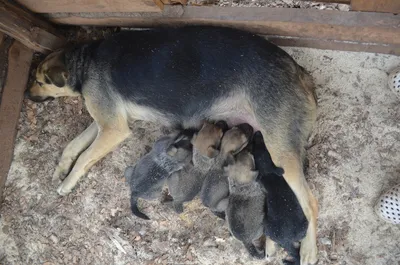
[210, 243]
[325, 241]
[54, 239]
[137, 238]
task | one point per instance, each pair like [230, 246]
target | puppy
[185, 184]
[146, 179]
[215, 190]
[285, 222]
[245, 211]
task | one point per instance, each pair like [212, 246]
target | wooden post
[19, 61]
[34, 33]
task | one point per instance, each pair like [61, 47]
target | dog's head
[208, 139]
[241, 169]
[51, 79]
[236, 139]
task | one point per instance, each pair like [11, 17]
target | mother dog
[179, 77]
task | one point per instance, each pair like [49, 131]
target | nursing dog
[179, 77]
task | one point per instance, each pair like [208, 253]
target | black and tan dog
[179, 77]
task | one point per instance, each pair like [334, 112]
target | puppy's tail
[253, 251]
[135, 210]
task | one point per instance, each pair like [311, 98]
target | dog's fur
[215, 190]
[245, 211]
[179, 77]
[185, 184]
[147, 178]
[285, 222]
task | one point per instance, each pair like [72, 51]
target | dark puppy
[185, 184]
[146, 179]
[215, 190]
[245, 211]
[285, 222]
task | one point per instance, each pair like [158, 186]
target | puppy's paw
[308, 253]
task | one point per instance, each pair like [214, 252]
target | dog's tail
[135, 210]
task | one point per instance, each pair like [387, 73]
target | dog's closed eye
[39, 83]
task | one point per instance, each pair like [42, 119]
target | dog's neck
[77, 59]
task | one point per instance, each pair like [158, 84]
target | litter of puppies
[232, 172]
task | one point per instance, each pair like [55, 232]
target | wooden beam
[28, 29]
[19, 61]
[377, 29]
[347, 2]
[54, 6]
[388, 6]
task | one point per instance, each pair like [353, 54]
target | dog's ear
[212, 152]
[56, 75]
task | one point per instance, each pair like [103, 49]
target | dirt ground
[353, 157]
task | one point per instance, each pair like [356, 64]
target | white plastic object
[388, 206]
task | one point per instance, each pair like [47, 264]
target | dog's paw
[60, 174]
[308, 253]
[62, 190]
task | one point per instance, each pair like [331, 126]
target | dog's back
[285, 222]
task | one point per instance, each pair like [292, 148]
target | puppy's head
[262, 156]
[241, 169]
[236, 138]
[208, 139]
[51, 79]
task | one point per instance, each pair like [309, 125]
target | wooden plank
[374, 28]
[54, 6]
[19, 61]
[347, 2]
[5, 43]
[32, 32]
[388, 6]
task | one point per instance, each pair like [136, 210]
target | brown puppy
[215, 190]
[185, 184]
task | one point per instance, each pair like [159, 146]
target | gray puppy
[215, 190]
[245, 211]
[169, 155]
[185, 184]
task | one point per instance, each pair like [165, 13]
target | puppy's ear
[56, 75]
[254, 175]
[193, 138]
[212, 152]
[172, 150]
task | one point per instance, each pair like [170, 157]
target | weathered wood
[388, 6]
[19, 61]
[359, 27]
[347, 2]
[54, 6]
[5, 43]
[29, 30]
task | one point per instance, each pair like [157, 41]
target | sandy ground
[353, 157]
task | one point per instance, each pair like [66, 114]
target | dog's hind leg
[294, 176]
[73, 150]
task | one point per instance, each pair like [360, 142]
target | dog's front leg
[72, 151]
[107, 139]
